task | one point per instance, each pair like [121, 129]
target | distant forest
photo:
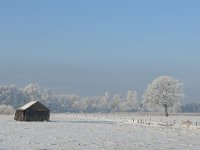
[129, 102]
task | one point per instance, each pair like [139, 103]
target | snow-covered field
[102, 131]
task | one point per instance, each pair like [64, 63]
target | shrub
[6, 110]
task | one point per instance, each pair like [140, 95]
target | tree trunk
[166, 112]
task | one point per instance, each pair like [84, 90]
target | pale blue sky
[89, 47]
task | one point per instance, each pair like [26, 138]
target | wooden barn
[32, 111]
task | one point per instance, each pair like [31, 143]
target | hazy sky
[89, 47]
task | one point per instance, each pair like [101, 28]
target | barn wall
[19, 115]
[36, 115]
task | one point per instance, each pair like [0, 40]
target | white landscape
[100, 75]
[102, 131]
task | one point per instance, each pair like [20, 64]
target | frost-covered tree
[115, 103]
[50, 100]
[129, 103]
[10, 95]
[67, 102]
[132, 100]
[105, 102]
[165, 91]
[32, 91]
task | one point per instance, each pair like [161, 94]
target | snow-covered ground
[102, 131]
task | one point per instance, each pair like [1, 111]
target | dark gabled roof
[34, 105]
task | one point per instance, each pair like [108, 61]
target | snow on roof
[27, 105]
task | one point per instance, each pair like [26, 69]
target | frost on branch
[164, 91]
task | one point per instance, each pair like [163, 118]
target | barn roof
[27, 105]
[33, 105]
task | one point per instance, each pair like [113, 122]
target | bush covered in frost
[6, 110]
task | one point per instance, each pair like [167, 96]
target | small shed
[32, 111]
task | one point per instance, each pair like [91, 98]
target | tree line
[11, 95]
[163, 94]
